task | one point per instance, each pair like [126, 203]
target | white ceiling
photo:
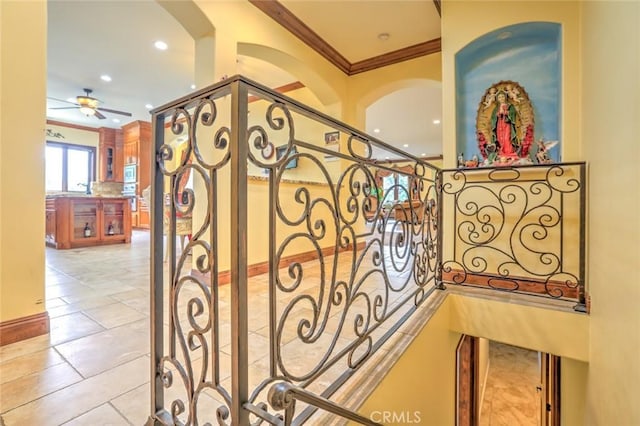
[91, 38]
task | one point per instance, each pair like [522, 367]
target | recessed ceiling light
[148, 106]
[105, 77]
[376, 130]
[193, 86]
[436, 121]
[406, 145]
[115, 120]
[160, 45]
[383, 36]
[386, 158]
[423, 154]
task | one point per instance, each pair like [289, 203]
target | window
[69, 168]
[398, 185]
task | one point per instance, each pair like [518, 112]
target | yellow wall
[610, 127]
[483, 371]
[573, 390]
[423, 379]
[22, 124]
[560, 333]
[74, 136]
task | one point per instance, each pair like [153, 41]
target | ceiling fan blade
[61, 100]
[100, 116]
[73, 107]
[113, 111]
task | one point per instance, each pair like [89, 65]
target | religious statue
[504, 125]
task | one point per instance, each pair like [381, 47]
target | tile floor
[93, 367]
[510, 396]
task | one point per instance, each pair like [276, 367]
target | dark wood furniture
[108, 220]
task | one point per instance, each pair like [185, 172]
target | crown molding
[293, 24]
[73, 126]
[400, 55]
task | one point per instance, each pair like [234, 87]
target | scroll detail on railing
[334, 268]
[517, 229]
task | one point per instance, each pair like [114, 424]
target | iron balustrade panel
[346, 262]
[361, 270]
[517, 229]
[193, 142]
[303, 254]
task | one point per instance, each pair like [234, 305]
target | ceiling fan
[88, 105]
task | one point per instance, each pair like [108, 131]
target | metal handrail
[283, 396]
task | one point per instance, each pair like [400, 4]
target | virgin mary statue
[503, 127]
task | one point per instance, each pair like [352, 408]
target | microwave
[130, 175]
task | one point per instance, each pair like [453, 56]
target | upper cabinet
[110, 148]
[137, 161]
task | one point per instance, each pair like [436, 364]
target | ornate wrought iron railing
[518, 229]
[341, 276]
[323, 266]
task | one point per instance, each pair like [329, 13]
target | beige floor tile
[104, 415]
[69, 308]
[60, 290]
[28, 364]
[105, 350]
[114, 315]
[54, 303]
[72, 326]
[72, 401]
[131, 294]
[28, 346]
[140, 304]
[92, 293]
[27, 388]
[134, 405]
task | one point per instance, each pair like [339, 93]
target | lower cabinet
[87, 221]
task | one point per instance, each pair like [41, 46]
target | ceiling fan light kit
[88, 105]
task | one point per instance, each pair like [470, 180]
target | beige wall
[22, 124]
[610, 128]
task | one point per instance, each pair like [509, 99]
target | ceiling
[92, 38]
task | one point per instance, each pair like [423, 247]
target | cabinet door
[113, 223]
[85, 222]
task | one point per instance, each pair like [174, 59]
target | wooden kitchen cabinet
[87, 221]
[137, 163]
[111, 155]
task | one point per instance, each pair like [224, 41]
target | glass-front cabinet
[113, 223]
[87, 221]
[84, 220]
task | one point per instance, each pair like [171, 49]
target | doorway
[501, 384]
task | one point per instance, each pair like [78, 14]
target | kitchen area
[105, 210]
